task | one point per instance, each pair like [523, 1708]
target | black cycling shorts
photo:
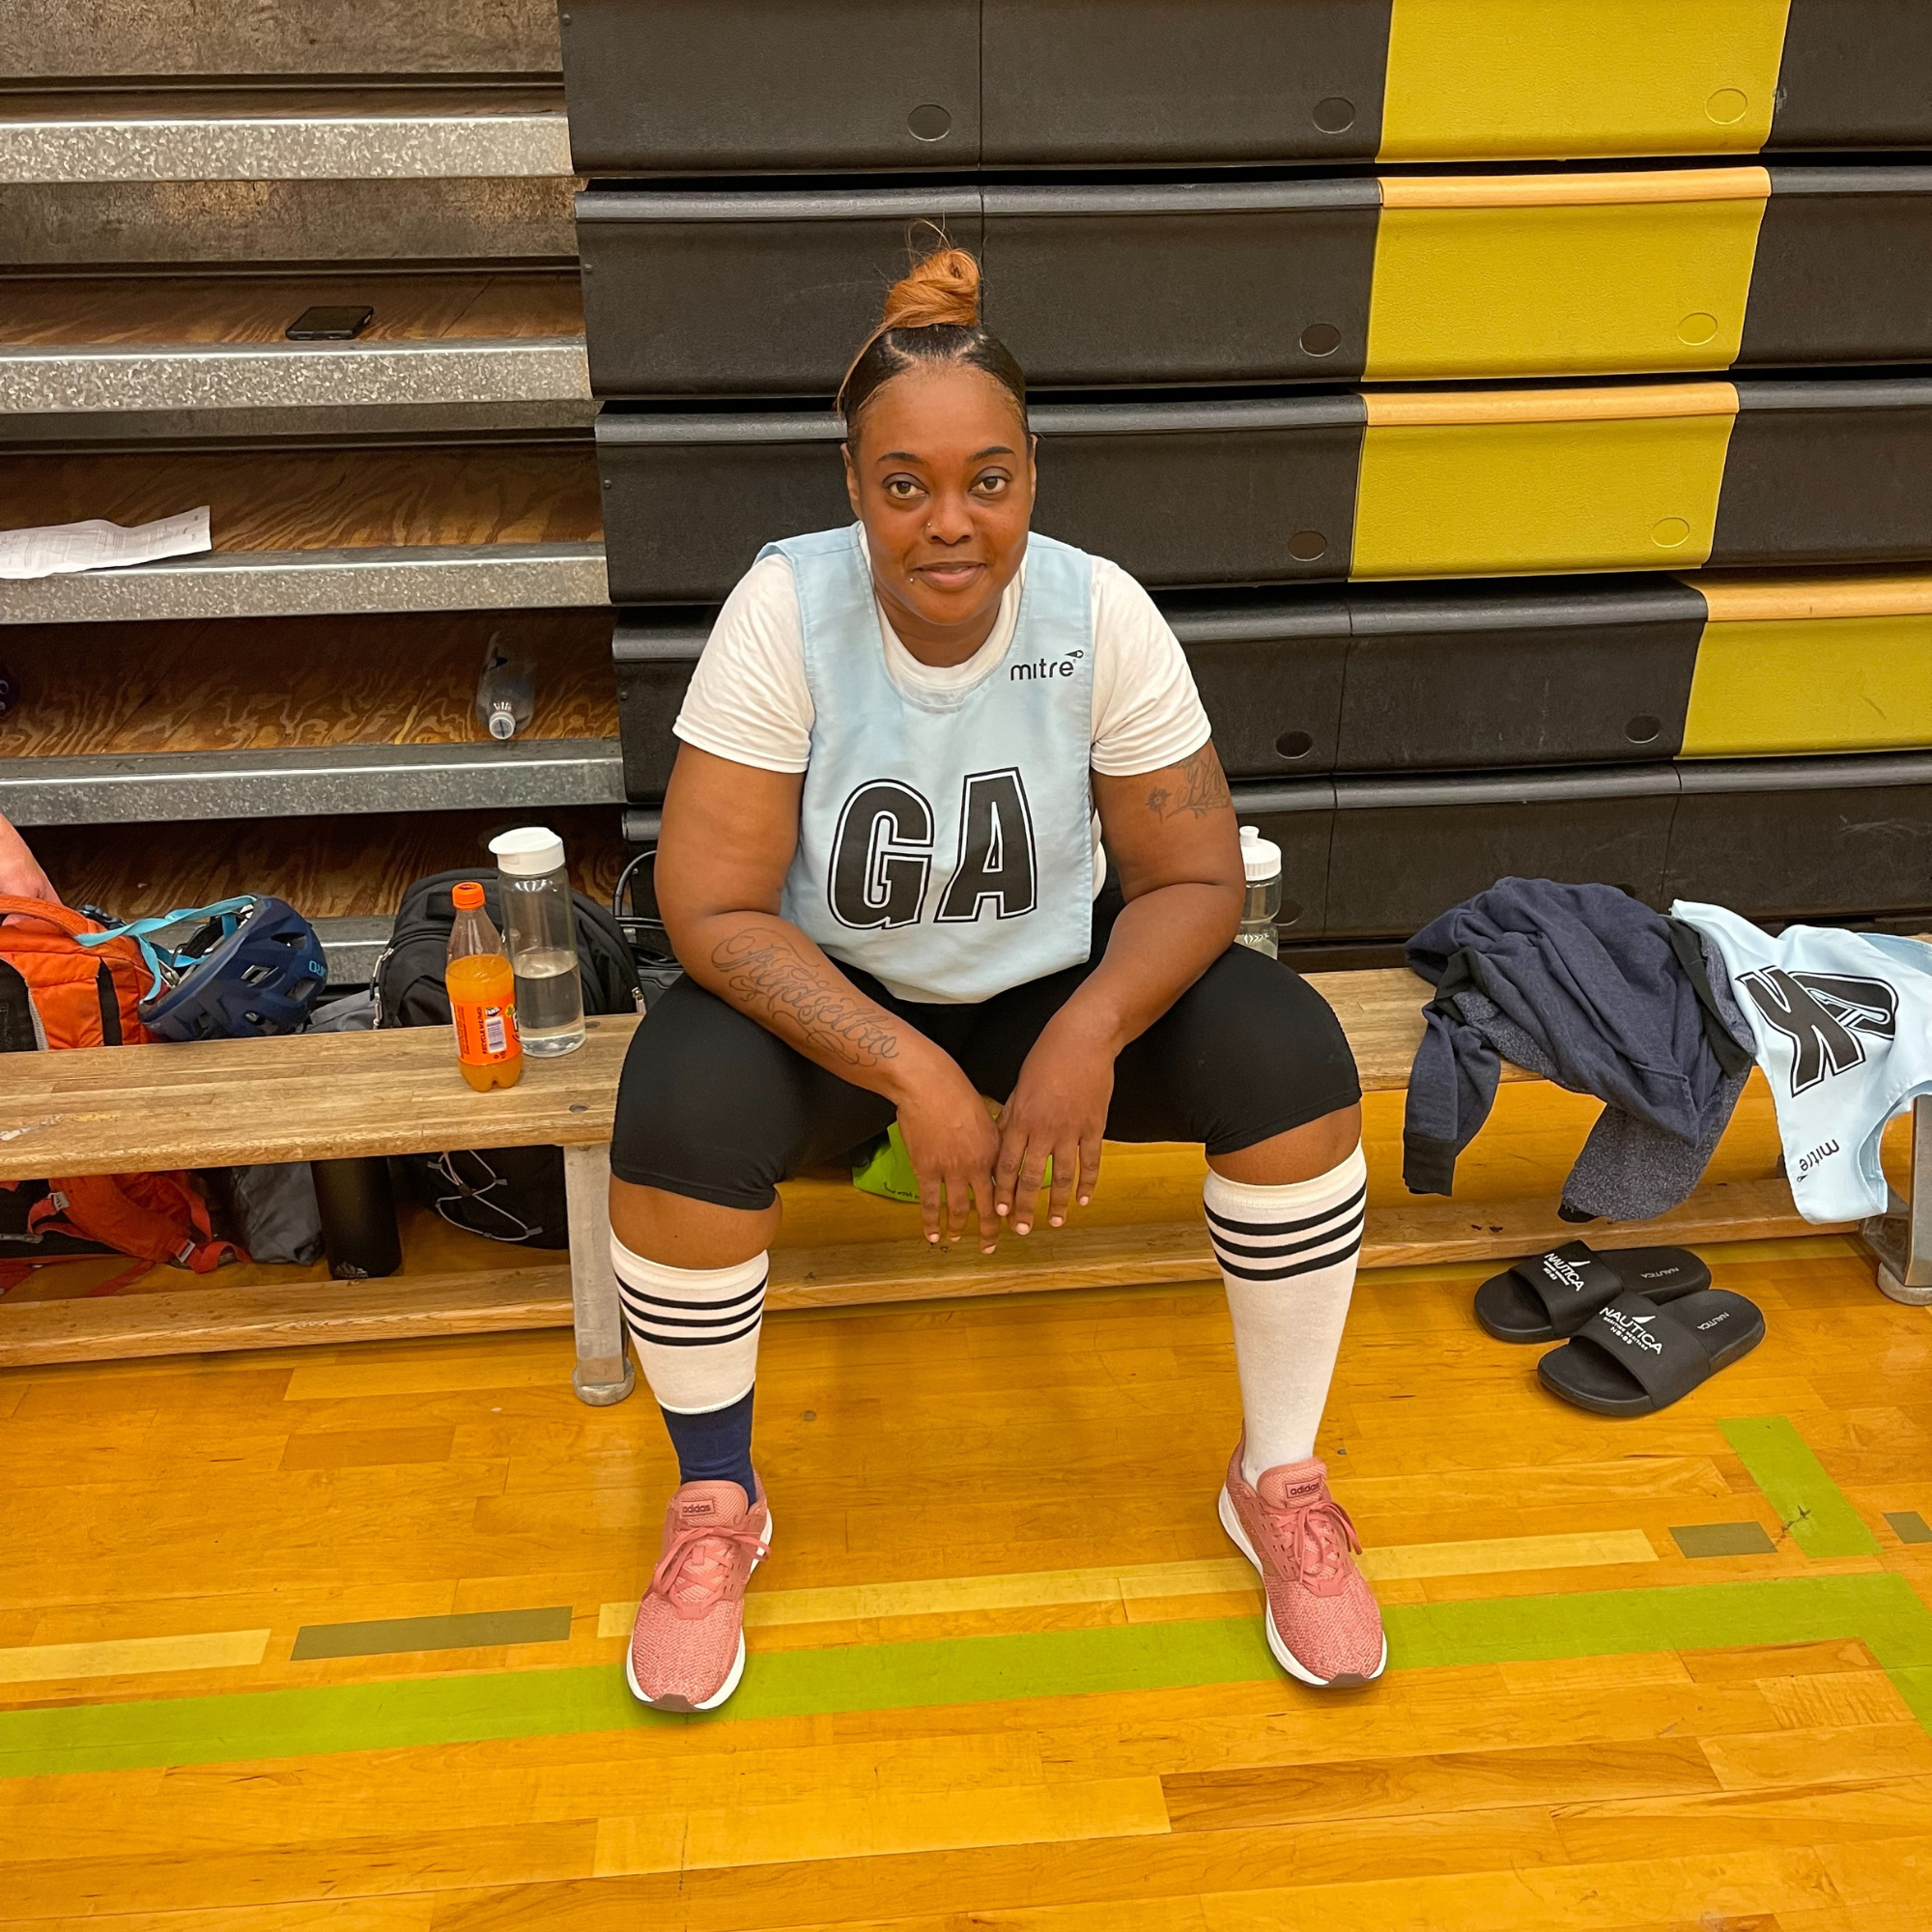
[714, 1107]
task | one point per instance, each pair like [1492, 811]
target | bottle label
[486, 1034]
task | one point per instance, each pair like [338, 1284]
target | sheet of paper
[60, 547]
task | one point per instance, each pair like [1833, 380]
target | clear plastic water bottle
[540, 928]
[505, 693]
[1260, 860]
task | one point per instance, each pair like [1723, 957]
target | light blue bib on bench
[944, 839]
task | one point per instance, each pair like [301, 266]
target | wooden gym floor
[330, 1638]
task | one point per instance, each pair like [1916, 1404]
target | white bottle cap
[528, 852]
[502, 721]
[1260, 859]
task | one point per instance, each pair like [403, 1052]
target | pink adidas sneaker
[1322, 1622]
[688, 1645]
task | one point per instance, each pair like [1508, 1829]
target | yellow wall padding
[1812, 684]
[1557, 77]
[1500, 284]
[1492, 483]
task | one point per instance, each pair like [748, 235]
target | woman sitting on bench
[881, 868]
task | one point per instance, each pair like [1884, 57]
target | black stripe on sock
[1249, 1251]
[1299, 1268]
[1355, 1200]
[650, 1318]
[695, 1341]
[664, 1301]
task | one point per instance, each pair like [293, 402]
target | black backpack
[509, 1194]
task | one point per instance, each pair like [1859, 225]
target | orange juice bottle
[482, 996]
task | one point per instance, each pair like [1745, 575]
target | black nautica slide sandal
[1547, 1296]
[1634, 1357]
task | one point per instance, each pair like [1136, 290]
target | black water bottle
[358, 1217]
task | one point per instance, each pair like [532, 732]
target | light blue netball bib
[945, 838]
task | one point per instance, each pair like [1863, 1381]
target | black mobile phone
[329, 325]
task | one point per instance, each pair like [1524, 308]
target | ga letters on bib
[883, 852]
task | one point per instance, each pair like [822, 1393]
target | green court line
[1723, 1539]
[469, 1629]
[1880, 1608]
[1812, 1506]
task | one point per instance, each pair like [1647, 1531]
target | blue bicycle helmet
[254, 968]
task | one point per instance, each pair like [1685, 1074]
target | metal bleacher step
[118, 391]
[177, 785]
[313, 133]
[320, 582]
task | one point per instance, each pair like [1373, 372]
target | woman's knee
[1252, 1054]
[679, 1231]
[1303, 1152]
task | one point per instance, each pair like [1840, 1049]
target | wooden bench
[327, 1097]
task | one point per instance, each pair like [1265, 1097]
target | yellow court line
[131, 1656]
[878, 1823]
[1127, 1583]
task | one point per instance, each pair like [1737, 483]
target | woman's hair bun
[942, 291]
[932, 318]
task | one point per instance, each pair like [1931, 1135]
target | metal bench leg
[603, 1373]
[1902, 1238]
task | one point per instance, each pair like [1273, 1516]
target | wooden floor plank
[908, 1446]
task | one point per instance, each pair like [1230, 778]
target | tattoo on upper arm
[1201, 788]
[772, 979]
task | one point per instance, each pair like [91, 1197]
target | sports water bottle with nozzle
[505, 693]
[540, 928]
[1260, 862]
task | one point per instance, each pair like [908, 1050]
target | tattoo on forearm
[772, 980]
[1201, 788]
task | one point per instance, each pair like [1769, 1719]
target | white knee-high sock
[1288, 1256]
[696, 1329]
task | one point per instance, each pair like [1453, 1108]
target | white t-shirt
[749, 701]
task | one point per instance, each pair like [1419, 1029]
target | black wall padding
[753, 294]
[1828, 472]
[655, 652]
[1150, 285]
[1843, 273]
[1155, 81]
[1383, 678]
[689, 499]
[1833, 93]
[1405, 849]
[1772, 839]
[1810, 837]
[1231, 283]
[1271, 668]
[1574, 672]
[748, 87]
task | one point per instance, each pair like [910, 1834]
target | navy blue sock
[716, 1446]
